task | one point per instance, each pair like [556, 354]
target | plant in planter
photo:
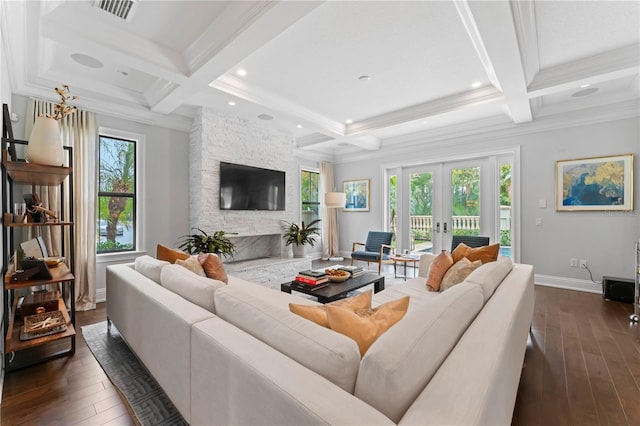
[300, 235]
[204, 243]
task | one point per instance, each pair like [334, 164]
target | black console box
[618, 289]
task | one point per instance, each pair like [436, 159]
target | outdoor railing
[423, 225]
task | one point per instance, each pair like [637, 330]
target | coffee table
[335, 291]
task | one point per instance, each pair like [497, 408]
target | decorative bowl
[339, 278]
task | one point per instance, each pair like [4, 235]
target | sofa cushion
[192, 265]
[365, 326]
[264, 313]
[169, 254]
[196, 289]
[437, 269]
[485, 254]
[398, 366]
[213, 267]
[458, 272]
[490, 275]
[149, 267]
[318, 314]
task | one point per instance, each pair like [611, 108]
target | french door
[440, 200]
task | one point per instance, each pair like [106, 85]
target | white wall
[165, 187]
[605, 240]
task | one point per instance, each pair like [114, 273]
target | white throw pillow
[150, 267]
[196, 289]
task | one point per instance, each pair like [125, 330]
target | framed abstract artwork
[595, 184]
[357, 192]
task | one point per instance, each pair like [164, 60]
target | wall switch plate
[542, 204]
[573, 262]
[538, 221]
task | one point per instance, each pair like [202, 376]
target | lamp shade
[335, 200]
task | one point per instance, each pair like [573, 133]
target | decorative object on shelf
[357, 194]
[42, 324]
[595, 184]
[300, 235]
[216, 243]
[45, 143]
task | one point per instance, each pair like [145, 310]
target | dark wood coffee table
[335, 291]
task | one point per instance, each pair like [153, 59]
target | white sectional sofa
[234, 354]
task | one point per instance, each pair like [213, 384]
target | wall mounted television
[251, 188]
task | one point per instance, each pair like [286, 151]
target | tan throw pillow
[169, 254]
[192, 264]
[366, 325]
[213, 267]
[458, 272]
[437, 269]
[459, 252]
[318, 314]
[485, 254]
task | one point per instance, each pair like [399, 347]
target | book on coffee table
[297, 285]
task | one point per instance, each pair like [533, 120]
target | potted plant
[300, 235]
[204, 243]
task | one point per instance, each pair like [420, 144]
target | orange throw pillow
[318, 314]
[459, 252]
[458, 272]
[213, 267]
[169, 254]
[439, 266]
[485, 254]
[366, 325]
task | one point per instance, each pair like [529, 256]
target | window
[309, 184]
[116, 224]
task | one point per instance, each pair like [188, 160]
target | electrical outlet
[583, 263]
[573, 262]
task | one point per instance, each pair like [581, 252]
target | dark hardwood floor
[582, 367]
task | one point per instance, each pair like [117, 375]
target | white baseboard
[568, 283]
[101, 295]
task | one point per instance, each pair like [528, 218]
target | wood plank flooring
[582, 367]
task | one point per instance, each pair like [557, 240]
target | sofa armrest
[237, 379]
[424, 263]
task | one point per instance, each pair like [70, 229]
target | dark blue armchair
[471, 241]
[377, 249]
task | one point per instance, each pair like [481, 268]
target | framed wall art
[595, 184]
[357, 192]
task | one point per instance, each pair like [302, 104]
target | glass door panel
[465, 201]
[505, 223]
[421, 211]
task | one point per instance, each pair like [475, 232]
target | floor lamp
[335, 200]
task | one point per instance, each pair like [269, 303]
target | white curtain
[79, 131]
[330, 240]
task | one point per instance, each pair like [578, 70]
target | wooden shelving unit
[20, 353]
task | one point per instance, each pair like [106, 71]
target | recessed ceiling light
[265, 117]
[241, 72]
[364, 78]
[299, 126]
[476, 84]
[349, 121]
[86, 60]
[584, 86]
[232, 103]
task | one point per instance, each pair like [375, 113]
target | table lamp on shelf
[335, 200]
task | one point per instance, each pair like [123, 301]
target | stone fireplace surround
[261, 254]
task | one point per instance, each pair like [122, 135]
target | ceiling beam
[490, 26]
[241, 29]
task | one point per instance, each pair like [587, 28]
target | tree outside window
[116, 195]
[309, 195]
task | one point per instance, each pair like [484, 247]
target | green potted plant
[216, 243]
[300, 235]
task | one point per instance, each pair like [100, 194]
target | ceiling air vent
[119, 8]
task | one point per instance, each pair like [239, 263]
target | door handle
[438, 227]
[445, 227]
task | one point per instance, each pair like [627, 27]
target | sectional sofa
[235, 354]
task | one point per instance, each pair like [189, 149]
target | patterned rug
[148, 402]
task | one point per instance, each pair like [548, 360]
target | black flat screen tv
[251, 188]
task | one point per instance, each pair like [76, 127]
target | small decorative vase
[298, 251]
[45, 143]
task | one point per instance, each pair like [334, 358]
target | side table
[404, 259]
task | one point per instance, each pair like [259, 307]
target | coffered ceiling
[340, 76]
